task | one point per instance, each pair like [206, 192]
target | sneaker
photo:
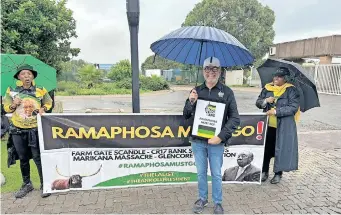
[218, 209]
[276, 179]
[43, 195]
[24, 190]
[199, 206]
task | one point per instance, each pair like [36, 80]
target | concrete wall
[150, 72]
[234, 77]
[312, 47]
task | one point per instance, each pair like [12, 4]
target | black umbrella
[308, 93]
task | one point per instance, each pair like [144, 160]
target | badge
[13, 94]
[221, 94]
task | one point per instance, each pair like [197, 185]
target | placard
[208, 118]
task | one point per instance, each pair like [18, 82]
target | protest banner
[101, 151]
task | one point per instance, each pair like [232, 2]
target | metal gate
[328, 79]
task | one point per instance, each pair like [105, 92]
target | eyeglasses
[242, 156]
[213, 69]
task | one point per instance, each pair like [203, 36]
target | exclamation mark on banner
[260, 126]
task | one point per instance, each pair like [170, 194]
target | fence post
[315, 74]
[251, 73]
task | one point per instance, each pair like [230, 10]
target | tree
[69, 69]
[41, 28]
[88, 74]
[247, 20]
[120, 71]
[160, 63]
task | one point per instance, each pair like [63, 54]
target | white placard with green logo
[208, 118]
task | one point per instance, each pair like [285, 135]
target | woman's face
[26, 76]
[279, 80]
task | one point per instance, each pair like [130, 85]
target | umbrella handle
[201, 44]
[196, 81]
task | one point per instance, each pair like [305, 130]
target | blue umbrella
[192, 45]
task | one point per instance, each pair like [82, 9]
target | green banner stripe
[206, 128]
[205, 135]
[205, 131]
[151, 178]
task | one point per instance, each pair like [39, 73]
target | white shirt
[241, 170]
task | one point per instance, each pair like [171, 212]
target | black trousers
[269, 151]
[20, 142]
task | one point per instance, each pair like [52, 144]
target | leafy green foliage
[71, 88]
[41, 28]
[124, 84]
[120, 71]
[12, 174]
[89, 74]
[70, 69]
[153, 83]
[247, 20]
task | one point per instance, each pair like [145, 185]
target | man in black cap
[25, 101]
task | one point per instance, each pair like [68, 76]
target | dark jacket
[231, 116]
[286, 151]
[251, 173]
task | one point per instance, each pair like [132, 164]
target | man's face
[243, 159]
[211, 74]
[28, 107]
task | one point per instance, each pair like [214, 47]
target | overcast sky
[103, 33]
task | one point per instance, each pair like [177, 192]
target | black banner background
[98, 121]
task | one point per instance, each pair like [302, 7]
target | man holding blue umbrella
[212, 149]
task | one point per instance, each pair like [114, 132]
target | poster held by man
[208, 118]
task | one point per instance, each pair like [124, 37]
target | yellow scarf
[278, 91]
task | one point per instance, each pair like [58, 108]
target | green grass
[13, 174]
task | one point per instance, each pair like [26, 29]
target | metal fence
[254, 79]
[327, 78]
[182, 76]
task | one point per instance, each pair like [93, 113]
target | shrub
[120, 71]
[63, 85]
[153, 83]
[120, 87]
[124, 84]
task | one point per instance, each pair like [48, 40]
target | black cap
[281, 72]
[25, 67]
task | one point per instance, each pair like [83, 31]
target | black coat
[286, 151]
[231, 116]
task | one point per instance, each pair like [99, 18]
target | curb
[319, 132]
